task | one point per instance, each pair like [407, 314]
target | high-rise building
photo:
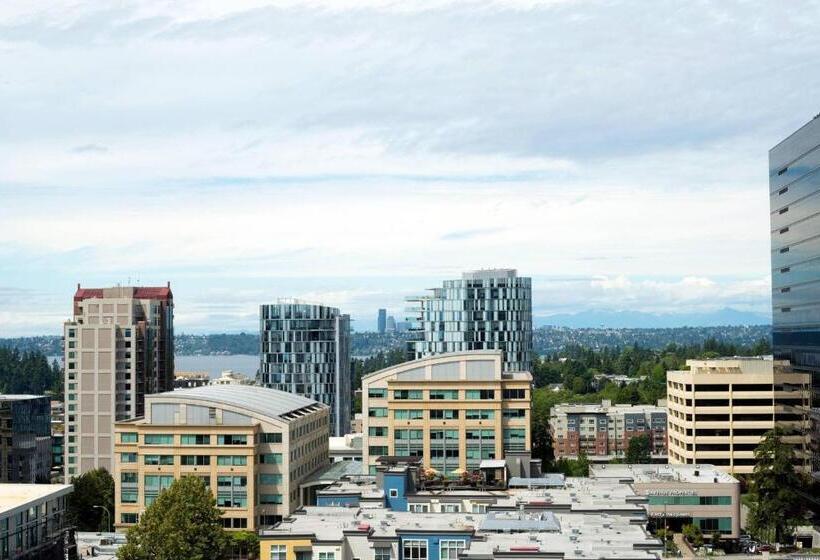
[794, 194]
[391, 324]
[25, 439]
[305, 349]
[719, 410]
[119, 347]
[251, 446]
[484, 310]
[382, 321]
[603, 431]
[453, 411]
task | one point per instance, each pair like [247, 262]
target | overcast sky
[355, 152]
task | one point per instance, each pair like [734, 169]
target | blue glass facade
[794, 193]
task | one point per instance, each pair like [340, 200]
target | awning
[492, 464]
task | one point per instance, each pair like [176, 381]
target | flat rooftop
[693, 474]
[22, 496]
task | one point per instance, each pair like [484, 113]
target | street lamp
[108, 515]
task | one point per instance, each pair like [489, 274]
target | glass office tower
[794, 193]
[484, 310]
[305, 349]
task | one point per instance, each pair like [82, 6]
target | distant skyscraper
[391, 324]
[484, 310]
[794, 194]
[119, 347]
[382, 324]
[306, 351]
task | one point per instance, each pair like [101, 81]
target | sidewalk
[683, 546]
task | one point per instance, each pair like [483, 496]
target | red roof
[139, 293]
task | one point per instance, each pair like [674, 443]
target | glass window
[128, 496]
[159, 439]
[327, 556]
[480, 394]
[449, 549]
[377, 431]
[444, 395]
[270, 479]
[232, 460]
[408, 394]
[270, 458]
[278, 552]
[270, 437]
[413, 414]
[158, 459]
[374, 393]
[128, 478]
[479, 414]
[129, 518]
[415, 549]
[270, 498]
[128, 437]
[195, 439]
[443, 414]
[231, 439]
[377, 412]
[382, 553]
[195, 460]
[128, 457]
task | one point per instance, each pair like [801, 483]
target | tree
[183, 522]
[91, 491]
[638, 452]
[776, 505]
[244, 544]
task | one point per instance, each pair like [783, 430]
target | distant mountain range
[640, 320]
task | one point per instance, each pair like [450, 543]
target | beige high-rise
[119, 347]
[719, 410]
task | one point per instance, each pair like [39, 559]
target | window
[159, 439]
[377, 431]
[270, 458]
[394, 493]
[409, 434]
[270, 498]
[195, 460]
[377, 450]
[410, 414]
[418, 508]
[158, 459]
[232, 460]
[480, 394]
[270, 479]
[443, 414]
[128, 496]
[382, 553]
[515, 413]
[270, 437]
[232, 491]
[715, 500]
[128, 478]
[278, 552]
[377, 413]
[479, 508]
[128, 457]
[327, 556]
[444, 395]
[515, 393]
[231, 439]
[374, 393]
[451, 508]
[449, 549]
[130, 518]
[479, 414]
[408, 394]
[415, 549]
[195, 439]
[128, 437]
[154, 484]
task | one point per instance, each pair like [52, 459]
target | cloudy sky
[355, 152]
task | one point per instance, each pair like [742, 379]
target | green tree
[693, 534]
[93, 491]
[243, 544]
[638, 451]
[776, 505]
[183, 522]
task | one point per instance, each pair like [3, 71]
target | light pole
[108, 516]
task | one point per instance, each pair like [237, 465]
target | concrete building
[191, 379]
[33, 521]
[679, 495]
[719, 410]
[57, 441]
[119, 347]
[603, 430]
[452, 410]
[484, 310]
[25, 439]
[306, 351]
[346, 448]
[814, 438]
[231, 377]
[794, 204]
[382, 321]
[252, 446]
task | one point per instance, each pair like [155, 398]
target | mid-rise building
[33, 521]
[794, 195]
[231, 377]
[57, 440]
[306, 351]
[119, 347]
[484, 310]
[679, 495]
[382, 321]
[346, 448]
[25, 439]
[251, 445]
[191, 379]
[720, 409]
[603, 431]
[452, 410]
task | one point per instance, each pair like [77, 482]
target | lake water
[214, 365]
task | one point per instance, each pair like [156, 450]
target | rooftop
[138, 292]
[605, 407]
[21, 397]
[693, 474]
[261, 400]
[15, 497]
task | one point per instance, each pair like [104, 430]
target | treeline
[364, 366]
[29, 373]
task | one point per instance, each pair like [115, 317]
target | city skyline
[640, 189]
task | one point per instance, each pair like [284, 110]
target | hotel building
[719, 410]
[251, 445]
[119, 347]
[484, 310]
[452, 410]
[305, 350]
[603, 431]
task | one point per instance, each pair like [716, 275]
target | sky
[356, 152]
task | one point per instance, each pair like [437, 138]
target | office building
[391, 324]
[454, 411]
[603, 431]
[252, 446]
[306, 351]
[33, 521]
[794, 195]
[718, 411]
[382, 321]
[679, 495]
[484, 310]
[25, 439]
[119, 347]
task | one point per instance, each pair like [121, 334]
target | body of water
[214, 365]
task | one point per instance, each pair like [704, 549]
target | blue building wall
[338, 501]
[398, 483]
[433, 542]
